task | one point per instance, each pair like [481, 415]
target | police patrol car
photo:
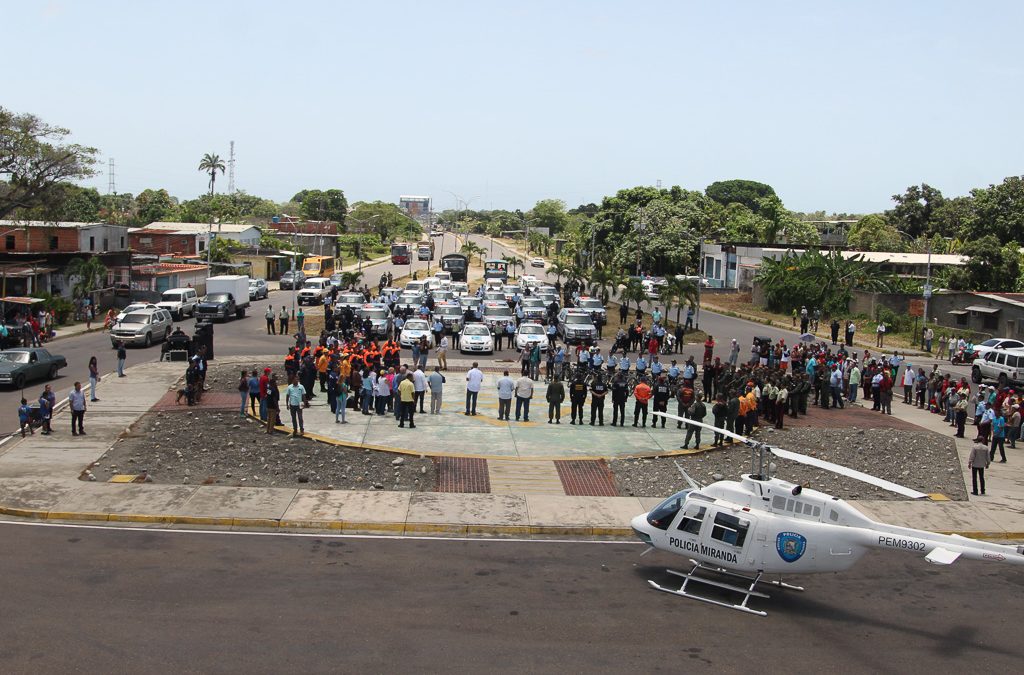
[413, 330]
[595, 307]
[576, 326]
[476, 338]
[379, 316]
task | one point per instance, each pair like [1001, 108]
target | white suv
[180, 302]
[141, 327]
[1005, 366]
[314, 291]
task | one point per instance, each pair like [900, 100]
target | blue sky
[838, 105]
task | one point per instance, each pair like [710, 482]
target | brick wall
[164, 243]
[41, 240]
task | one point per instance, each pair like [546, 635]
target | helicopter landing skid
[721, 570]
[747, 591]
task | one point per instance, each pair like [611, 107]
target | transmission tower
[231, 169]
[111, 187]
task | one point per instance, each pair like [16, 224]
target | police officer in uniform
[577, 397]
[620, 392]
[662, 393]
[598, 390]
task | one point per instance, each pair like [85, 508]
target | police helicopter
[742, 531]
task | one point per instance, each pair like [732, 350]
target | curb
[354, 527]
[350, 527]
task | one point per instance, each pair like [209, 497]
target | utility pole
[927, 287]
[231, 169]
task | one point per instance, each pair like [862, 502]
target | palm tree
[351, 279]
[632, 291]
[91, 273]
[559, 270]
[469, 249]
[678, 292]
[514, 262]
[603, 282]
[211, 163]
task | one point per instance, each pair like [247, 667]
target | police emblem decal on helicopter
[790, 545]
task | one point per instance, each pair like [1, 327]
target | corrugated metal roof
[198, 228]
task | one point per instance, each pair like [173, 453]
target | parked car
[459, 288]
[534, 309]
[258, 289]
[537, 262]
[292, 280]
[450, 314]
[413, 330]
[576, 326]
[142, 327]
[410, 301]
[336, 280]
[996, 343]
[21, 365]
[476, 338]
[379, 316]
[314, 291]
[529, 334]
[134, 307]
[1004, 366]
[350, 300]
[180, 302]
[496, 313]
[595, 307]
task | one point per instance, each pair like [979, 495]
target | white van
[416, 287]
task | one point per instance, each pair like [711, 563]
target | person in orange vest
[642, 394]
[321, 368]
[291, 366]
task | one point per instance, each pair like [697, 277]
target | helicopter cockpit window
[693, 519]
[730, 530]
[664, 513]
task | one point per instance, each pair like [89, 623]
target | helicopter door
[728, 535]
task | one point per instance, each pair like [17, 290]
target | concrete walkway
[39, 478]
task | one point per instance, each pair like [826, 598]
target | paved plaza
[452, 433]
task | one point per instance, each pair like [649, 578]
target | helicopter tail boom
[939, 549]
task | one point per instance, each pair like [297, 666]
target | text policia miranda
[706, 551]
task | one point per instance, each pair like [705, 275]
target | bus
[457, 265]
[318, 266]
[496, 269]
[425, 250]
[400, 254]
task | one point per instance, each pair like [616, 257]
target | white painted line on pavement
[164, 529]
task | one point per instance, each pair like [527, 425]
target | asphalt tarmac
[118, 600]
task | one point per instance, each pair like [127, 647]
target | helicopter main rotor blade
[805, 459]
[718, 430]
[848, 472]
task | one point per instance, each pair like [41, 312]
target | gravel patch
[921, 460]
[212, 447]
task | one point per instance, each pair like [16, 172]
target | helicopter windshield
[663, 514]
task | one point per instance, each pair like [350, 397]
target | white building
[727, 266]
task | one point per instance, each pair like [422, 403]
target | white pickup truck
[180, 302]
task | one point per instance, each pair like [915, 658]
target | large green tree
[36, 161]
[746, 192]
[819, 280]
[915, 209]
[324, 205]
[152, 206]
[991, 266]
[384, 218]
[549, 213]
[873, 233]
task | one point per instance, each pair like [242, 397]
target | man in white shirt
[524, 392]
[442, 353]
[506, 388]
[474, 380]
[419, 382]
[77, 401]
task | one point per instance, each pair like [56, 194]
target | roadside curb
[351, 527]
[356, 527]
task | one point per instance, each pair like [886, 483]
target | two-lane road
[111, 600]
